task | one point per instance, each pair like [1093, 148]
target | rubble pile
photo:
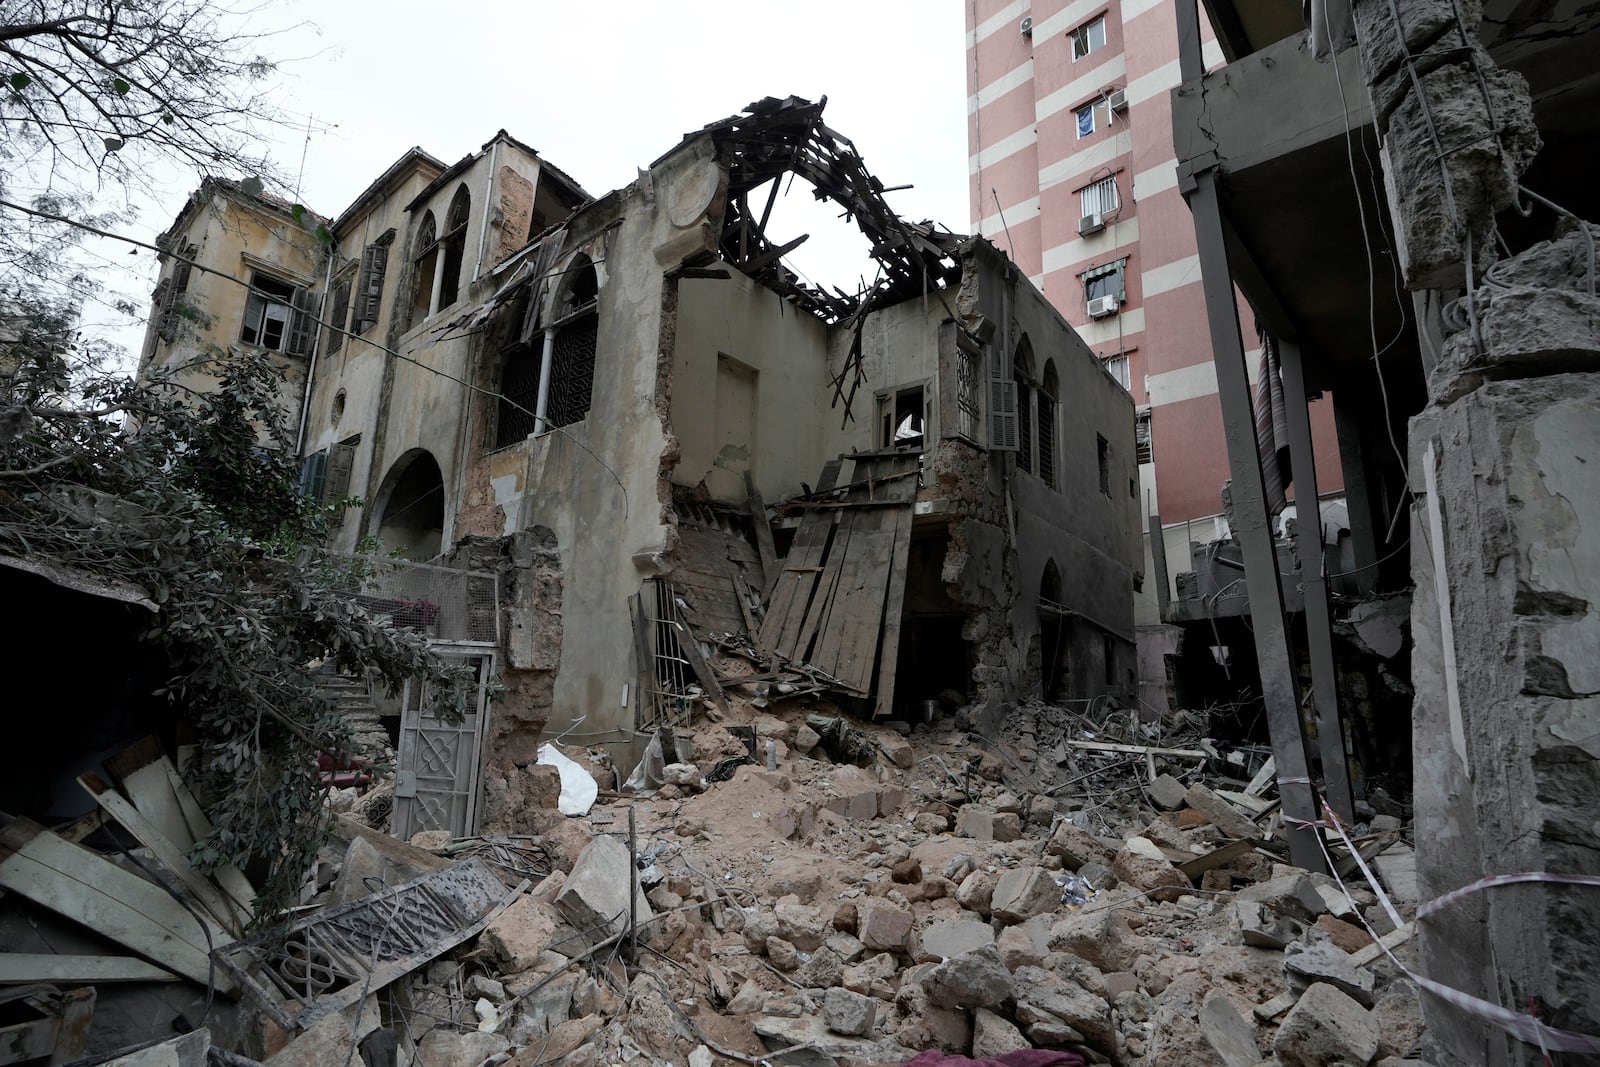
[769, 902]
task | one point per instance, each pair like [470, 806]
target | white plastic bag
[578, 787]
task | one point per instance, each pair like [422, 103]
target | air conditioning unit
[1101, 306]
[1092, 223]
[1117, 99]
[1027, 25]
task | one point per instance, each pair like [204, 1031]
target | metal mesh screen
[572, 371]
[444, 603]
[519, 387]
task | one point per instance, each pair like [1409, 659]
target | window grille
[1100, 198]
[673, 687]
[1024, 427]
[572, 371]
[1141, 438]
[1047, 426]
[968, 411]
[519, 387]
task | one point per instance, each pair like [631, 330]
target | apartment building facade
[1071, 170]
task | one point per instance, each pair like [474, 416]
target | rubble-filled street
[812, 890]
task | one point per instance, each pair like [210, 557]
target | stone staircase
[353, 698]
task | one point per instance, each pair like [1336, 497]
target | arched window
[1052, 630]
[454, 245]
[577, 332]
[426, 266]
[1049, 390]
[1022, 369]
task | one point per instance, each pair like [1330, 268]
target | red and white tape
[1524, 1027]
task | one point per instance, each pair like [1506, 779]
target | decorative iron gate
[438, 766]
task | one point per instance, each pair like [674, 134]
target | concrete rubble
[1008, 894]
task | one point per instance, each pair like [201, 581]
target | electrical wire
[324, 325]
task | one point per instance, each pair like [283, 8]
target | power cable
[325, 325]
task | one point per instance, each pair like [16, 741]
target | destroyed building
[651, 438]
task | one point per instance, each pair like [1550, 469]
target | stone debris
[950, 892]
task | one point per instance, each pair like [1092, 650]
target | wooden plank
[1391, 940]
[23, 967]
[830, 475]
[818, 618]
[187, 1051]
[1268, 771]
[1193, 869]
[791, 596]
[229, 877]
[74, 882]
[141, 771]
[893, 609]
[758, 516]
[161, 847]
[857, 621]
[702, 670]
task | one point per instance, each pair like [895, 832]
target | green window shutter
[340, 460]
[369, 287]
[314, 475]
[301, 323]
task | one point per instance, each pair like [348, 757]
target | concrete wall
[780, 354]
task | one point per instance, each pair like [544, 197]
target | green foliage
[183, 484]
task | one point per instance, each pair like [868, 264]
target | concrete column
[1252, 525]
[1319, 632]
[1357, 494]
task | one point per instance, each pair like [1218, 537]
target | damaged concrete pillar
[1506, 559]
[1456, 132]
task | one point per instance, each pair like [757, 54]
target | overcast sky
[601, 89]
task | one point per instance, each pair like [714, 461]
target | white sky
[602, 89]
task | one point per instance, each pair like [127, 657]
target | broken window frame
[969, 389]
[1088, 38]
[274, 302]
[897, 405]
[1022, 372]
[424, 267]
[168, 294]
[1143, 442]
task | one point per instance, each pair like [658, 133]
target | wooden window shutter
[314, 475]
[369, 290]
[301, 323]
[341, 459]
[1003, 432]
[169, 293]
[341, 306]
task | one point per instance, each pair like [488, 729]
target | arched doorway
[411, 507]
[1052, 631]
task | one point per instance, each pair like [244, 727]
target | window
[1141, 438]
[968, 410]
[519, 394]
[1103, 454]
[1049, 389]
[577, 335]
[1089, 37]
[1095, 115]
[454, 243]
[902, 419]
[369, 283]
[1117, 367]
[277, 316]
[1022, 370]
[426, 266]
[1105, 281]
[1099, 198]
[169, 312]
[336, 318]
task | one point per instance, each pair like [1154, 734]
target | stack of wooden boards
[56, 872]
[837, 601]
